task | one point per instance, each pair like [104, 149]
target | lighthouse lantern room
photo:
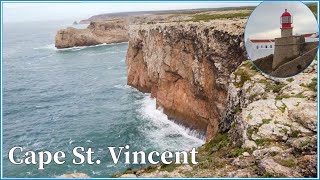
[286, 22]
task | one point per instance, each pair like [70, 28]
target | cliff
[96, 33]
[268, 129]
[186, 67]
[256, 126]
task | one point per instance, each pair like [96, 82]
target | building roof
[312, 35]
[261, 40]
[286, 13]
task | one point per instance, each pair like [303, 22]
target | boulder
[269, 166]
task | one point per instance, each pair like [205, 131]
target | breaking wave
[166, 134]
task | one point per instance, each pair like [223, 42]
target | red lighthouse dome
[286, 19]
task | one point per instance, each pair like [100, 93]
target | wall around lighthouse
[286, 49]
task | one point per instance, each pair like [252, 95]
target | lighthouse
[286, 24]
[288, 46]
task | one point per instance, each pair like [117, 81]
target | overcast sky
[264, 22]
[24, 12]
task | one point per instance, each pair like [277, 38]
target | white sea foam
[166, 134]
[76, 48]
[125, 87]
[49, 46]
[106, 53]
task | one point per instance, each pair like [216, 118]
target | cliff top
[234, 26]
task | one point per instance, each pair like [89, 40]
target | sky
[264, 22]
[25, 12]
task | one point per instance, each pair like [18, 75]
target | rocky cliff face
[268, 129]
[186, 67]
[95, 33]
[256, 126]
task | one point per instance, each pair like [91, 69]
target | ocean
[56, 100]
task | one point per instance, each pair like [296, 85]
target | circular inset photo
[281, 38]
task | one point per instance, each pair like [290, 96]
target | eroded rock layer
[186, 67]
[95, 33]
[269, 129]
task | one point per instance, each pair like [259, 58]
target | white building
[313, 37]
[259, 48]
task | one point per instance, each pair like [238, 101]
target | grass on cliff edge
[208, 17]
[214, 154]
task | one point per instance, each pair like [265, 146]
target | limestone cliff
[269, 129]
[95, 33]
[256, 126]
[186, 67]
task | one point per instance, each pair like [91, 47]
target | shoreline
[90, 46]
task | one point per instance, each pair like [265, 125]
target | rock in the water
[96, 33]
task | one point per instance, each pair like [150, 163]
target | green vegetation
[304, 143]
[282, 108]
[237, 109]
[262, 142]
[251, 130]
[169, 167]
[267, 175]
[285, 131]
[282, 96]
[286, 96]
[150, 169]
[286, 162]
[233, 125]
[221, 140]
[300, 95]
[295, 133]
[290, 79]
[276, 88]
[270, 86]
[311, 86]
[274, 153]
[244, 76]
[236, 152]
[208, 17]
[253, 96]
[266, 121]
[314, 9]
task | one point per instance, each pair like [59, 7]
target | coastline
[186, 84]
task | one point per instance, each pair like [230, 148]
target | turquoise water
[56, 100]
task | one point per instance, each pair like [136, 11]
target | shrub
[244, 76]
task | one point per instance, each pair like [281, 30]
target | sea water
[56, 100]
